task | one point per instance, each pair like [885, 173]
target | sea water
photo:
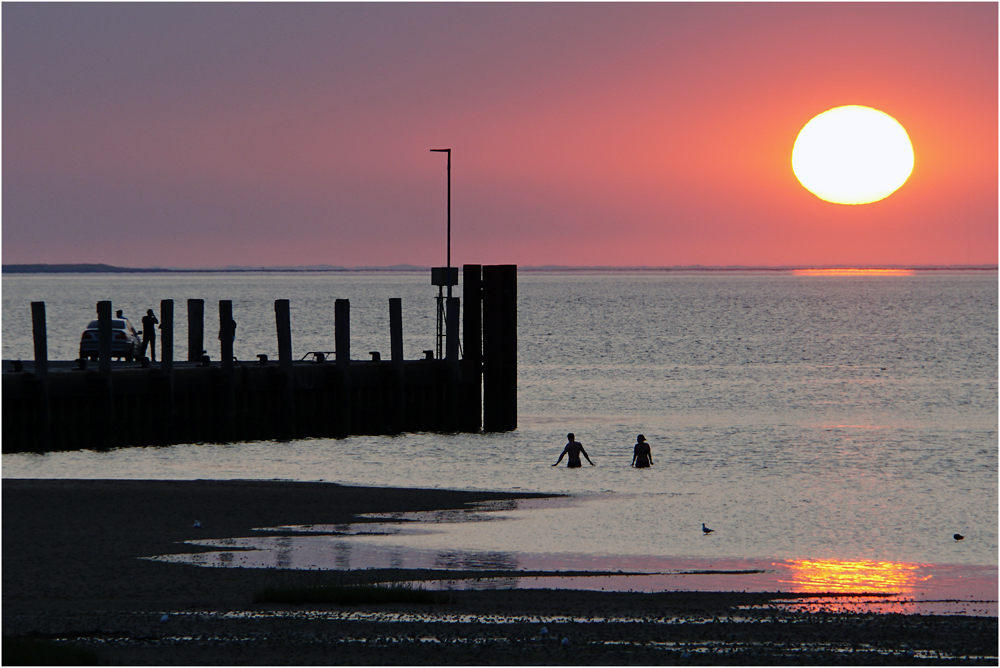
[813, 419]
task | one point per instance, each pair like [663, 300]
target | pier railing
[75, 405]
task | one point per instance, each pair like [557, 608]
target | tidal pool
[459, 550]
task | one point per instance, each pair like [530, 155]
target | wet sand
[72, 572]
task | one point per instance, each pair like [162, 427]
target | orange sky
[582, 134]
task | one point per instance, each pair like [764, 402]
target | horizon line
[106, 268]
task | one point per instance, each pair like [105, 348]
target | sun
[852, 155]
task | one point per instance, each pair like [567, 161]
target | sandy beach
[73, 573]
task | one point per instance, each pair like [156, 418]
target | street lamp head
[441, 150]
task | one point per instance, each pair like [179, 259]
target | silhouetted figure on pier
[642, 455]
[574, 449]
[149, 323]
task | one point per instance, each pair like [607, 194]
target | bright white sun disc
[852, 155]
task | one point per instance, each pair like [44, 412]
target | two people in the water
[642, 455]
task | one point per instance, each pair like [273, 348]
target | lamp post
[448, 151]
[436, 274]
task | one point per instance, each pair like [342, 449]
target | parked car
[125, 341]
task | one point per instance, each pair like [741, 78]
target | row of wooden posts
[74, 407]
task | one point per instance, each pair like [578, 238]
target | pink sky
[191, 135]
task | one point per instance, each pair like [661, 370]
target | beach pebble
[565, 642]
[164, 617]
[197, 524]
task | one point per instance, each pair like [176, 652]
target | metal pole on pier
[448, 151]
[436, 277]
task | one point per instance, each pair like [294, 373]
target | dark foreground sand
[71, 572]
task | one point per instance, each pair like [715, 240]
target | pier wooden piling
[196, 329]
[135, 404]
[41, 345]
[103, 435]
[167, 369]
[104, 338]
[227, 399]
[342, 343]
[500, 348]
[283, 319]
[472, 347]
[398, 369]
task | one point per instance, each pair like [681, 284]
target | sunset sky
[205, 135]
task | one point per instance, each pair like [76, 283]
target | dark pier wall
[100, 406]
[208, 406]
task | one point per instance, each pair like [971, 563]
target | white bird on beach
[705, 529]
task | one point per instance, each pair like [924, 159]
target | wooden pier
[76, 405]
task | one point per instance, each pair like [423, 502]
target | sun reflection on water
[839, 576]
[852, 272]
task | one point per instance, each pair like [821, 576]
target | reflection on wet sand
[456, 560]
[855, 577]
[891, 585]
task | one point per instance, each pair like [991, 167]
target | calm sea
[849, 418]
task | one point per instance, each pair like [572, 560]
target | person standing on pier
[574, 449]
[149, 323]
[642, 455]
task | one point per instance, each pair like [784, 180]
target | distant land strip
[110, 269]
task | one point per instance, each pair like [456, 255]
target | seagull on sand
[705, 529]
[959, 536]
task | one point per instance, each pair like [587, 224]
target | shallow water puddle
[401, 541]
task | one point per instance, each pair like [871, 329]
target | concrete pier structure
[72, 405]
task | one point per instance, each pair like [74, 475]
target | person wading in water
[574, 450]
[642, 456]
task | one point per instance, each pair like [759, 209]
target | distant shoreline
[110, 269]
